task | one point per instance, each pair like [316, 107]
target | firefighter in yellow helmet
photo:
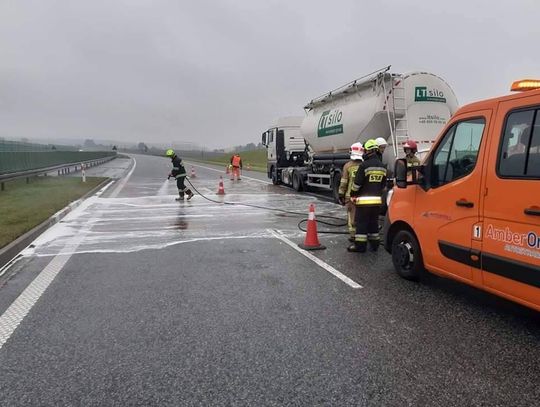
[366, 193]
[179, 173]
[346, 183]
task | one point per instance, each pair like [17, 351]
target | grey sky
[218, 72]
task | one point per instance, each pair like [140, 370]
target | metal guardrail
[62, 169]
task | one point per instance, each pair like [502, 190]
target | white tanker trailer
[310, 151]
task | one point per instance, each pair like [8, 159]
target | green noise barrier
[17, 161]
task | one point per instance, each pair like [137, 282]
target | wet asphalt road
[197, 304]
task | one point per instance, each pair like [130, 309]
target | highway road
[135, 299]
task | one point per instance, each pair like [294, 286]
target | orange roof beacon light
[525, 84]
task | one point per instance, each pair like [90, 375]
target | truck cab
[471, 211]
[285, 147]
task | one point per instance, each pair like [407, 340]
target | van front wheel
[407, 256]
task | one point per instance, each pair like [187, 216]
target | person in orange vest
[236, 163]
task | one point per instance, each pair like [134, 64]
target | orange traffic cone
[311, 241]
[221, 190]
[192, 175]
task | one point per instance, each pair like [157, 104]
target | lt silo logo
[330, 123]
[423, 94]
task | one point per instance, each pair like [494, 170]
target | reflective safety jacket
[347, 178]
[178, 169]
[413, 161]
[236, 161]
[369, 182]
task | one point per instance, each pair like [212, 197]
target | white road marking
[316, 260]
[121, 184]
[8, 265]
[102, 190]
[13, 316]
[243, 176]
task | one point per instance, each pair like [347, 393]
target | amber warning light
[525, 84]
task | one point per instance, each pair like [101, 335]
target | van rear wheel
[407, 256]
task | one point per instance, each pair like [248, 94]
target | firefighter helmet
[357, 151]
[411, 145]
[169, 153]
[371, 145]
[381, 142]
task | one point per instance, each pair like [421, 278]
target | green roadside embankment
[24, 206]
[256, 159]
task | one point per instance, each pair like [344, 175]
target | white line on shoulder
[316, 260]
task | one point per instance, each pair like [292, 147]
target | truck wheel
[407, 256]
[297, 182]
[335, 185]
[275, 179]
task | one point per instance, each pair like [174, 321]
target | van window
[533, 159]
[515, 143]
[456, 154]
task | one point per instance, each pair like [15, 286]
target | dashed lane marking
[316, 260]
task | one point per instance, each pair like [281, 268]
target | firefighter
[366, 193]
[236, 164]
[410, 149]
[345, 185]
[382, 143]
[179, 173]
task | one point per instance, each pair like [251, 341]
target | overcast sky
[218, 72]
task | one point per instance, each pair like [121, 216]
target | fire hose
[326, 223]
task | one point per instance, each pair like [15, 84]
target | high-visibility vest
[236, 161]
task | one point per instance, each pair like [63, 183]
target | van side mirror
[405, 175]
[263, 139]
[400, 173]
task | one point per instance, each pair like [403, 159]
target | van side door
[511, 210]
[448, 202]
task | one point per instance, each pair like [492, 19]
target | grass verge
[256, 159]
[24, 206]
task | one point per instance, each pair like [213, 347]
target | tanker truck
[309, 151]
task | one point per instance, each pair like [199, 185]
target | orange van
[471, 211]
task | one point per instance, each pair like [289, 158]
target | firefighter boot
[189, 194]
[373, 245]
[180, 197]
[357, 247]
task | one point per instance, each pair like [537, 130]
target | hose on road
[326, 223]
